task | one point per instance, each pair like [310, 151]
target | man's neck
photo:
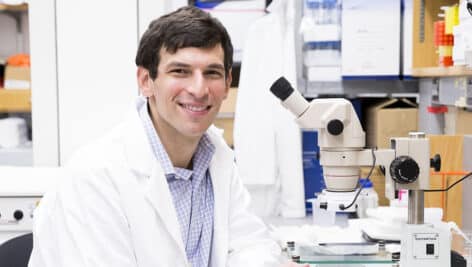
[179, 148]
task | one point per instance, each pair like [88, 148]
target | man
[161, 189]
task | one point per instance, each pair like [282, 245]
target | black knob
[404, 170]
[469, 8]
[296, 258]
[18, 215]
[324, 205]
[335, 127]
[435, 162]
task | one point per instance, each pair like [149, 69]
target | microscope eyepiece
[281, 88]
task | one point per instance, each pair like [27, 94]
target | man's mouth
[195, 108]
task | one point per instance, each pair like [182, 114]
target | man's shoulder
[100, 152]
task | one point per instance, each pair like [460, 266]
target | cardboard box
[15, 100]
[225, 118]
[229, 104]
[17, 77]
[378, 179]
[451, 149]
[467, 184]
[457, 121]
[390, 118]
[226, 124]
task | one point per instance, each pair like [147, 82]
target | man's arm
[81, 224]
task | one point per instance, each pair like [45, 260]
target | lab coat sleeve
[81, 224]
[249, 240]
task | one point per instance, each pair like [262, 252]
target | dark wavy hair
[186, 27]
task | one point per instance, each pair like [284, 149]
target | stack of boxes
[443, 35]
[321, 31]
[444, 43]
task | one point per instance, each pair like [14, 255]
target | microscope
[407, 165]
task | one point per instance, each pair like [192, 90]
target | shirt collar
[203, 154]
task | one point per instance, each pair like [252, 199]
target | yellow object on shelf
[451, 18]
[15, 100]
[445, 50]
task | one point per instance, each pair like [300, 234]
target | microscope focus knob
[435, 162]
[18, 215]
[335, 127]
[404, 170]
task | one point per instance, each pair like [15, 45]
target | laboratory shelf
[22, 7]
[15, 100]
[454, 71]
[360, 88]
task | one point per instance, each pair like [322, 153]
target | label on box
[17, 84]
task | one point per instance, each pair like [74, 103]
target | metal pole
[415, 206]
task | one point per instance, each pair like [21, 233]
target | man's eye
[216, 74]
[179, 71]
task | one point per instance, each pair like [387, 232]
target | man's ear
[228, 81]
[144, 82]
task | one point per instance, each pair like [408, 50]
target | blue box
[312, 171]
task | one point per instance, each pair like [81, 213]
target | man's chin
[196, 132]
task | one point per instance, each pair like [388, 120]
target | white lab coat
[267, 140]
[117, 210]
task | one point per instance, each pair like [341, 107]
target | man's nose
[198, 86]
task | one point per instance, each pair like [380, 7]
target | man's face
[188, 90]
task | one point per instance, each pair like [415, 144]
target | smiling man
[161, 189]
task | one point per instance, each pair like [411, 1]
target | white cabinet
[83, 70]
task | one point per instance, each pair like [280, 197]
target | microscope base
[326, 209]
[426, 245]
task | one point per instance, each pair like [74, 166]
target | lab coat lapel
[150, 175]
[221, 191]
[159, 196]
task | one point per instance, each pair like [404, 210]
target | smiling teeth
[195, 108]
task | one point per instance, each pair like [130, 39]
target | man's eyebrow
[216, 66]
[177, 64]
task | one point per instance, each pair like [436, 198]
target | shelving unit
[455, 71]
[22, 7]
[15, 100]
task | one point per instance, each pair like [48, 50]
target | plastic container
[323, 11]
[331, 12]
[314, 9]
[322, 54]
[368, 198]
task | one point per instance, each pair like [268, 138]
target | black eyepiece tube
[281, 88]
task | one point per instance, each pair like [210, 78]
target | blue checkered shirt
[192, 193]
